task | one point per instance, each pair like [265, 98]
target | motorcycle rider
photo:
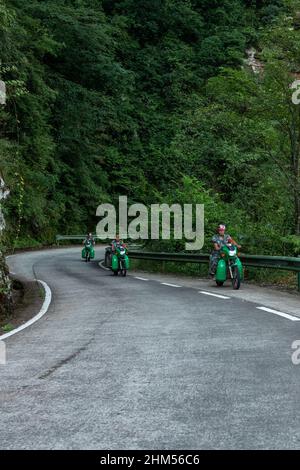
[219, 240]
[117, 242]
[89, 239]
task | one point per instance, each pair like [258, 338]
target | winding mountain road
[132, 363]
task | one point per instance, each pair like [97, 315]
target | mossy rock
[5, 289]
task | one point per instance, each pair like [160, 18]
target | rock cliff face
[5, 285]
[256, 65]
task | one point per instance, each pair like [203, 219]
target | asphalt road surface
[124, 363]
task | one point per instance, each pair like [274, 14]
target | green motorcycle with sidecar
[229, 266]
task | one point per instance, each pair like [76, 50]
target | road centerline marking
[214, 295]
[281, 314]
[170, 285]
[141, 278]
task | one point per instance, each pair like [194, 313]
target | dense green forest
[157, 100]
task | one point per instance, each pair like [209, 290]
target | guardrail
[82, 237]
[255, 261]
[71, 237]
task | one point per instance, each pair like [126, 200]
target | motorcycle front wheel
[107, 261]
[236, 278]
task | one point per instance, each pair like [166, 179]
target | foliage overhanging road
[122, 363]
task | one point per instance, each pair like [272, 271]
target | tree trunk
[297, 214]
[297, 187]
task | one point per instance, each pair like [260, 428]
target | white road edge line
[281, 314]
[170, 285]
[42, 312]
[103, 267]
[141, 278]
[214, 295]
